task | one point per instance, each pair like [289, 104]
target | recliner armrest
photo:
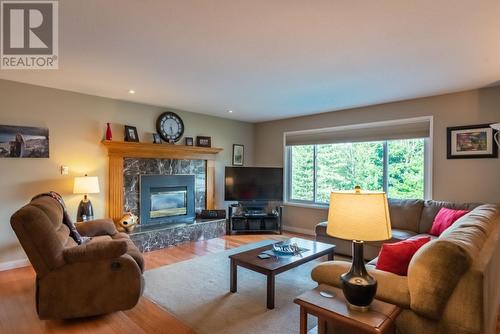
[95, 251]
[96, 227]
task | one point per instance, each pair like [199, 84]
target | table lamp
[85, 185]
[359, 216]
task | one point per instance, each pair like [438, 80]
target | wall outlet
[64, 170]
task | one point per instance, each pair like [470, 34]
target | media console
[244, 221]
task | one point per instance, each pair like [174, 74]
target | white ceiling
[270, 59]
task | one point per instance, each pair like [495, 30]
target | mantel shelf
[170, 151]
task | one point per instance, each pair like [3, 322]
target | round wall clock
[170, 127]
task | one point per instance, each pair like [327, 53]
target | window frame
[287, 157]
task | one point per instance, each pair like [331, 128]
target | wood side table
[335, 312]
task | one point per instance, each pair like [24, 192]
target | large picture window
[395, 166]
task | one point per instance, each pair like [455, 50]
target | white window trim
[428, 157]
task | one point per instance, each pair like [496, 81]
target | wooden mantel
[118, 150]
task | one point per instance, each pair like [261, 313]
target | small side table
[378, 319]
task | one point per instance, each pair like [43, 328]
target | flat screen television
[253, 184]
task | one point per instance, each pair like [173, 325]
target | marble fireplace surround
[162, 159]
[134, 168]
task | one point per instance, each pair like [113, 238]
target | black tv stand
[254, 220]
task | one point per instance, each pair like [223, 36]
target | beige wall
[454, 180]
[77, 123]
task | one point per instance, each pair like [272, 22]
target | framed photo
[23, 142]
[471, 142]
[189, 141]
[131, 133]
[204, 141]
[238, 154]
[156, 138]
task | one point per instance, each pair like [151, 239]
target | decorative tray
[287, 249]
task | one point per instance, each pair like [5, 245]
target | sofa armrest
[95, 251]
[96, 227]
[391, 288]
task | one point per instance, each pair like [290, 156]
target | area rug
[197, 292]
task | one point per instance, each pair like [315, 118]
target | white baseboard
[14, 264]
[305, 231]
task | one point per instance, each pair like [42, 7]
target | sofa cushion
[444, 219]
[395, 257]
[371, 248]
[431, 209]
[397, 235]
[391, 288]
[405, 213]
[471, 231]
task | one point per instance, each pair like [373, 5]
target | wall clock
[170, 127]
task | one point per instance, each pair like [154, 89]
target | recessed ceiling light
[131, 91]
[230, 111]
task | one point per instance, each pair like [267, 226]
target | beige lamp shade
[358, 215]
[86, 185]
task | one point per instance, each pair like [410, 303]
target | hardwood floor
[17, 297]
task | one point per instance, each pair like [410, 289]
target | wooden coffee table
[334, 311]
[276, 265]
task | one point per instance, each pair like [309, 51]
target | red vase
[109, 135]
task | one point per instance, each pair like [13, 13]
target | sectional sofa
[453, 281]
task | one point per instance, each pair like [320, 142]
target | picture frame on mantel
[203, 141]
[156, 138]
[131, 134]
[471, 142]
[238, 154]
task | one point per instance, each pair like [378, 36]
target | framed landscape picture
[238, 154]
[23, 142]
[471, 142]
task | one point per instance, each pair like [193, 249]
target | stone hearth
[149, 238]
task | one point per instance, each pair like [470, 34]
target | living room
[258, 120]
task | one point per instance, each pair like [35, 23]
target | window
[394, 166]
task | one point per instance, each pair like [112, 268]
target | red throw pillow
[396, 257]
[444, 219]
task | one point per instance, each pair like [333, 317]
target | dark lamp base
[85, 211]
[358, 286]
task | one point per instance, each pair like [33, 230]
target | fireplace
[167, 199]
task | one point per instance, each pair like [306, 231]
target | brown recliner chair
[101, 276]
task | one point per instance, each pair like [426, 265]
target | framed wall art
[23, 142]
[471, 142]
[238, 154]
